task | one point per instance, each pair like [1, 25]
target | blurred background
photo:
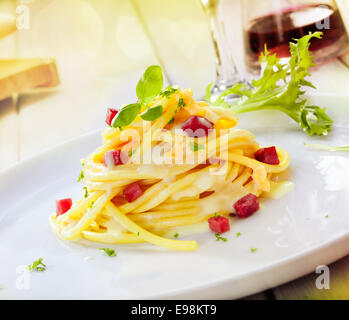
[64, 62]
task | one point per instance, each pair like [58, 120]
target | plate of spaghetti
[184, 197]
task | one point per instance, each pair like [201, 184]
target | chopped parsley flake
[181, 103]
[238, 234]
[326, 216]
[171, 121]
[194, 146]
[37, 265]
[81, 176]
[86, 192]
[108, 252]
[253, 250]
[131, 153]
[167, 92]
[218, 237]
[215, 215]
[176, 235]
[91, 204]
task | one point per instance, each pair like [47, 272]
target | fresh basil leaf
[152, 113]
[126, 115]
[150, 85]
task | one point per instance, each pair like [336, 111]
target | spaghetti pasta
[213, 172]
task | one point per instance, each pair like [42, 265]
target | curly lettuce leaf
[281, 87]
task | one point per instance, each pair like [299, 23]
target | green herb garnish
[327, 148]
[218, 238]
[131, 153]
[91, 204]
[215, 215]
[194, 146]
[238, 234]
[171, 121]
[126, 115]
[81, 176]
[176, 235]
[152, 113]
[181, 103]
[108, 252]
[148, 87]
[253, 250]
[167, 92]
[280, 87]
[86, 192]
[37, 265]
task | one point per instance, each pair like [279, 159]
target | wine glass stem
[226, 72]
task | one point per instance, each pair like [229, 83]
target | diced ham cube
[132, 192]
[197, 126]
[111, 113]
[219, 224]
[246, 206]
[112, 158]
[63, 205]
[267, 155]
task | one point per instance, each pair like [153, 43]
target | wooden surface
[101, 48]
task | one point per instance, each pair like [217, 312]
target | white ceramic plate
[292, 234]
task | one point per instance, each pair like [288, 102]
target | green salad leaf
[281, 87]
[150, 84]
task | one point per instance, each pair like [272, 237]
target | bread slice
[7, 24]
[18, 75]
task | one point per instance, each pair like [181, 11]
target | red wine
[277, 29]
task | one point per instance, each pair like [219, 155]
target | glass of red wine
[277, 22]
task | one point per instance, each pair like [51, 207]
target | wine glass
[277, 22]
[226, 72]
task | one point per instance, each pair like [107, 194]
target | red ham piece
[111, 113]
[63, 205]
[267, 155]
[197, 126]
[219, 224]
[246, 206]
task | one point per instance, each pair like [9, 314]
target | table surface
[101, 47]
